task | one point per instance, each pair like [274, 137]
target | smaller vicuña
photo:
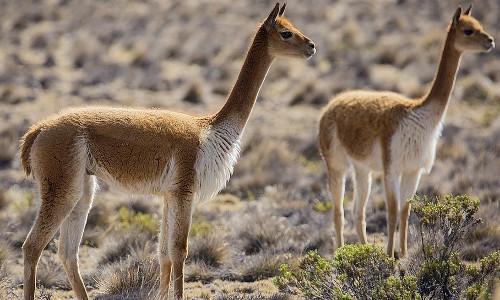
[386, 132]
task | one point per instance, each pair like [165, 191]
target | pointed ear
[269, 22]
[468, 10]
[282, 10]
[456, 16]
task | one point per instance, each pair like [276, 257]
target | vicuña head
[386, 132]
[286, 40]
[183, 158]
[469, 33]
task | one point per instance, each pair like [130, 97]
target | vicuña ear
[456, 16]
[269, 22]
[282, 10]
[468, 10]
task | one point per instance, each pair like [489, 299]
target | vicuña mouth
[490, 47]
[310, 53]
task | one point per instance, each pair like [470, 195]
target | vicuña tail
[26, 143]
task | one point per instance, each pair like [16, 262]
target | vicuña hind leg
[56, 204]
[409, 183]
[71, 236]
[362, 186]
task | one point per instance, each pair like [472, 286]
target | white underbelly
[154, 185]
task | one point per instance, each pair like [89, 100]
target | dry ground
[185, 55]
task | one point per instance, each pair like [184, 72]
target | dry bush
[260, 233]
[260, 266]
[125, 246]
[130, 279]
[199, 271]
[50, 272]
[212, 250]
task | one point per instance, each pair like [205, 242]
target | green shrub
[129, 220]
[434, 271]
[483, 278]
[314, 279]
[357, 272]
[444, 223]
[200, 227]
[323, 206]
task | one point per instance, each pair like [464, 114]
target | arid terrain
[184, 55]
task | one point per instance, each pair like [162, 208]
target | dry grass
[131, 279]
[51, 274]
[59, 54]
[211, 250]
[259, 266]
[133, 244]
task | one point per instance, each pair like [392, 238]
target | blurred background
[184, 55]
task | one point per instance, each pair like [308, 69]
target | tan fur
[143, 151]
[392, 134]
[25, 149]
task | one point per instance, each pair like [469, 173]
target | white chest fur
[215, 161]
[414, 143]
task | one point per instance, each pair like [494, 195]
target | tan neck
[242, 98]
[445, 77]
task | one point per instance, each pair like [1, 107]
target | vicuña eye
[468, 31]
[286, 35]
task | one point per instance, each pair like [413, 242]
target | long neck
[242, 98]
[445, 77]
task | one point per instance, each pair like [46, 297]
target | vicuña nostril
[311, 45]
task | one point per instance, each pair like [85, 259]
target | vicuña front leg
[362, 186]
[163, 251]
[180, 210]
[409, 183]
[391, 184]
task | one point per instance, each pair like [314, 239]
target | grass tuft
[51, 274]
[258, 267]
[132, 244]
[131, 279]
[212, 250]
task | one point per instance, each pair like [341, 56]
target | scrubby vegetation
[433, 270]
[185, 55]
